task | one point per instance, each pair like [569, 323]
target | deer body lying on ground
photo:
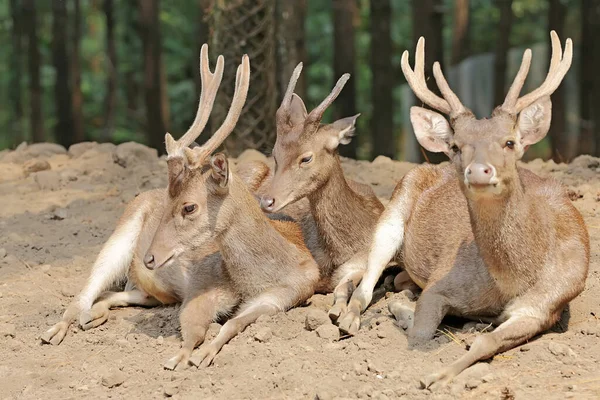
[266, 262]
[483, 237]
[194, 277]
[307, 165]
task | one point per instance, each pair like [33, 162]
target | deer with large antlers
[307, 165]
[514, 250]
[196, 279]
[266, 262]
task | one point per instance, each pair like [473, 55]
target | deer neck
[340, 215]
[505, 233]
[245, 236]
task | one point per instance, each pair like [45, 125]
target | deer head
[197, 180]
[485, 151]
[305, 151]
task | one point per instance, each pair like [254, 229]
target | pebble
[47, 180]
[8, 330]
[374, 368]
[160, 340]
[559, 349]
[59, 214]
[263, 335]
[364, 345]
[171, 389]
[316, 318]
[113, 379]
[525, 348]
[381, 334]
[3, 253]
[323, 396]
[361, 369]
[328, 332]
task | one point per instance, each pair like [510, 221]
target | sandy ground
[53, 223]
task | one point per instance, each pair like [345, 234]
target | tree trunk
[345, 14]
[16, 128]
[382, 119]
[110, 102]
[154, 91]
[132, 85]
[33, 66]
[558, 134]
[63, 130]
[291, 48]
[77, 96]
[502, 47]
[428, 22]
[460, 33]
[589, 83]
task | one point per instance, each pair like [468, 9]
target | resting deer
[266, 262]
[484, 238]
[188, 280]
[307, 165]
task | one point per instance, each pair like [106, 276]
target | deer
[515, 251]
[267, 266]
[189, 281]
[307, 166]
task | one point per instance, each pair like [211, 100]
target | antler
[283, 112]
[450, 104]
[315, 116]
[210, 86]
[559, 65]
[242, 82]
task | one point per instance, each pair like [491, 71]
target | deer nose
[149, 261]
[480, 174]
[267, 203]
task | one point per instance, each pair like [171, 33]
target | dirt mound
[58, 208]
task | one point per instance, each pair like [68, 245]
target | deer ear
[297, 110]
[534, 121]
[431, 129]
[341, 132]
[220, 169]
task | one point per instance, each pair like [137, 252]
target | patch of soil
[55, 216]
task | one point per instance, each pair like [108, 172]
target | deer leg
[429, 313]
[110, 266]
[98, 314]
[353, 271]
[513, 332]
[265, 304]
[196, 314]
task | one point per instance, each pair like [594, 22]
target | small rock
[44, 150]
[171, 389]
[35, 165]
[316, 318]
[525, 348]
[263, 335]
[328, 332]
[381, 334]
[113, 379]
[374, 368]
[59, 214]
[122, 342]
[361, 369]
[472, 383]
[83, 388]
[3, 253]
[131, 154]
[77, 149]
[559, 349]
[8, 330]
[323, 396]
[160, 340]
[47, 180]
[69, 290]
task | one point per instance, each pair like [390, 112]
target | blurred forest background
[109, 70]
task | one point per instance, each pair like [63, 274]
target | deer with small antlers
[307, 165]
[483, 237]
[196, 278]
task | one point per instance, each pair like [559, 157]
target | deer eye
[306, 160]
[510, 144]
[189, 209]
[455, 149]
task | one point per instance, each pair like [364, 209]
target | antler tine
[210, 86]
[242, 83]
[559, 66]
[283, 110]
[452, 99]
[316, 114]
[515, 89]
[416, 79]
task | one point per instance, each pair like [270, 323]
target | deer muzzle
[480, 175]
